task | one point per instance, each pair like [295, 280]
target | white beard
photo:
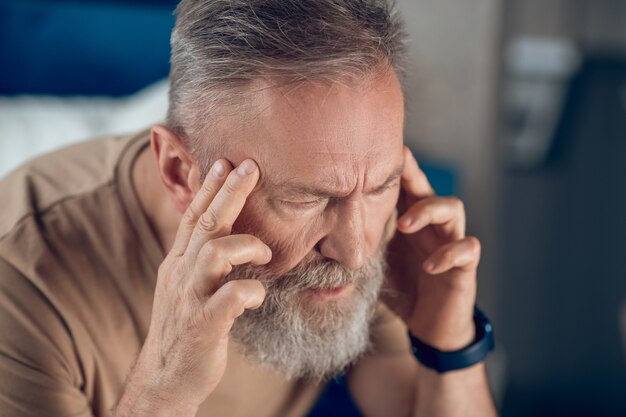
[301, 338]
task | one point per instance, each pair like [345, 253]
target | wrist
[451, 360]
[140, 399]
[145, 395]
[446, 338]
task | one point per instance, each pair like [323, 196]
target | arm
[184, 355]
[432, 283]
[463, 392]
[380, 384]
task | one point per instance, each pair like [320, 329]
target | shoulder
[43, 182]
[65, 230]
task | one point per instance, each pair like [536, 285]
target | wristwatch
[442, 361]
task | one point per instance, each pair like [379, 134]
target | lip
[331, 294]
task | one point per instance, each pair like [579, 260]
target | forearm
[458, 393]
[142, 396]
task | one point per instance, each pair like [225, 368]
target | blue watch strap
[442, 361]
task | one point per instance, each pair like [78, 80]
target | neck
[153, 200]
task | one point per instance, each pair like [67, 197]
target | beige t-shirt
[78, 265]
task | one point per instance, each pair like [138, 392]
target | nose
[346, 241]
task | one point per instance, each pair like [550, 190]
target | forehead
[333, 135]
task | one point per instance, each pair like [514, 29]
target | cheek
[291, 238]
[290, 247]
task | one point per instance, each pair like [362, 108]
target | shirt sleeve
[39, 371]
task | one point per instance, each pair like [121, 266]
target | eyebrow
[303, 189]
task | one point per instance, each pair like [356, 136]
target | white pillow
[31, 125]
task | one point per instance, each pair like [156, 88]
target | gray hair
[219, 47]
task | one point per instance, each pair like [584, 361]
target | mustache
[316, 274]
[322, 274]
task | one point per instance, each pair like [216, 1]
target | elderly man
[272, 234]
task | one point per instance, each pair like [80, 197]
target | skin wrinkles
[348, 146]
[293, 187]
[330, 203]
[354, 209]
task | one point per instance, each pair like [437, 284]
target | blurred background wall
[519, 103]
[562, 227]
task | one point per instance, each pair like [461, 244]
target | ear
[178, 170]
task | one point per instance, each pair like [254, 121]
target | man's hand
[184, 355]
[431, 284]
[432, 274]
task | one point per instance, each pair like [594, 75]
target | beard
[300, 336]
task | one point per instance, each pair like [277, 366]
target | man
[232, 260]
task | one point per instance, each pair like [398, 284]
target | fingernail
[406, 222]
[218, 169]
[246, 168]
[268, 251]
[429, 266]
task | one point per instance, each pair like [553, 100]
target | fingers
[233, 298]
[218, 218]
[218, 256]
[448, 213]
[414, 181]
[463, 254]
[212, 183]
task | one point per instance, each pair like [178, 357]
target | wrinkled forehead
[326, 134]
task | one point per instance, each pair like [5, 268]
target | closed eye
[303, 204]
[385, 188]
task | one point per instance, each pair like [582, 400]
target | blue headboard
[83, 47]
